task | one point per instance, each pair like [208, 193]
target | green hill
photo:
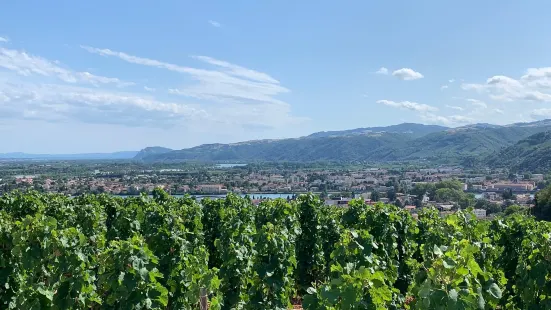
[473, 142]
[414, 130]
[531, 154]
[345, 148]
[456, 143]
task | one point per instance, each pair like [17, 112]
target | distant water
[230, 165]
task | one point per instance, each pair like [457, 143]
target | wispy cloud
[499, 111]
[238, 70]
[478, 103]
[382, 70]
[215, 23]
[540, 114]
[233, 85]
[4, 40]
[408, 105]
[451, 81]
[54, 102]
[455, 108]
[149, 89]
[26, 65]
[444, 87]
[452, 120]
[534, 85]
[407, 74]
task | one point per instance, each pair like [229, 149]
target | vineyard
[162, 252]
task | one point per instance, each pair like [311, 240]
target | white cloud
[382, 70]
[455, 108]
[149, 89]
[233, 86]
[54, 102]
[215, 23]
[499, 111]
[4, 40]
[540, 114]
[452, 120]
[478, 103]
[407, 74]
[27, 65]
[443, 87]
[534, 85]
[238, 70]
[451, 81]
[408, 105]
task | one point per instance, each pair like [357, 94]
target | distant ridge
[150, 151]
[415, 130]
[403, 142]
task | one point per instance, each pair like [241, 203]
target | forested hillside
[363, 144]
[348, 148]
[101, 252]
[411, 129]
[530, 154]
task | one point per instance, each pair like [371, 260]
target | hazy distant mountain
[90, 156]
[441, 145]
[152, 150]
[415, 130]
[530, 154]
[349, 148]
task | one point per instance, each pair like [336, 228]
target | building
[212, 188]
[491, 195]
[444, 207]
[537, 177]
[515, 187]
[479, 213]
[477, 187]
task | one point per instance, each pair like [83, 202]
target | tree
[508, 194]
[398, 203]
[375, 196]
[490, 207]
[513, 209]
[391, 195]
[542, 208]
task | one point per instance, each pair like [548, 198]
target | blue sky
[99, 76]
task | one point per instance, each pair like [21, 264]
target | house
[444, 207]
[410, 208]
[479, 213]
[477, 187]
[537, 177]
[212, 188]
[491, 195]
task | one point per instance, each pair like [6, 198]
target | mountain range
[521, 146]
[403, 142]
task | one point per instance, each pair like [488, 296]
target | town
[447, 188]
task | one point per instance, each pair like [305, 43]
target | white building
[480, 213]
